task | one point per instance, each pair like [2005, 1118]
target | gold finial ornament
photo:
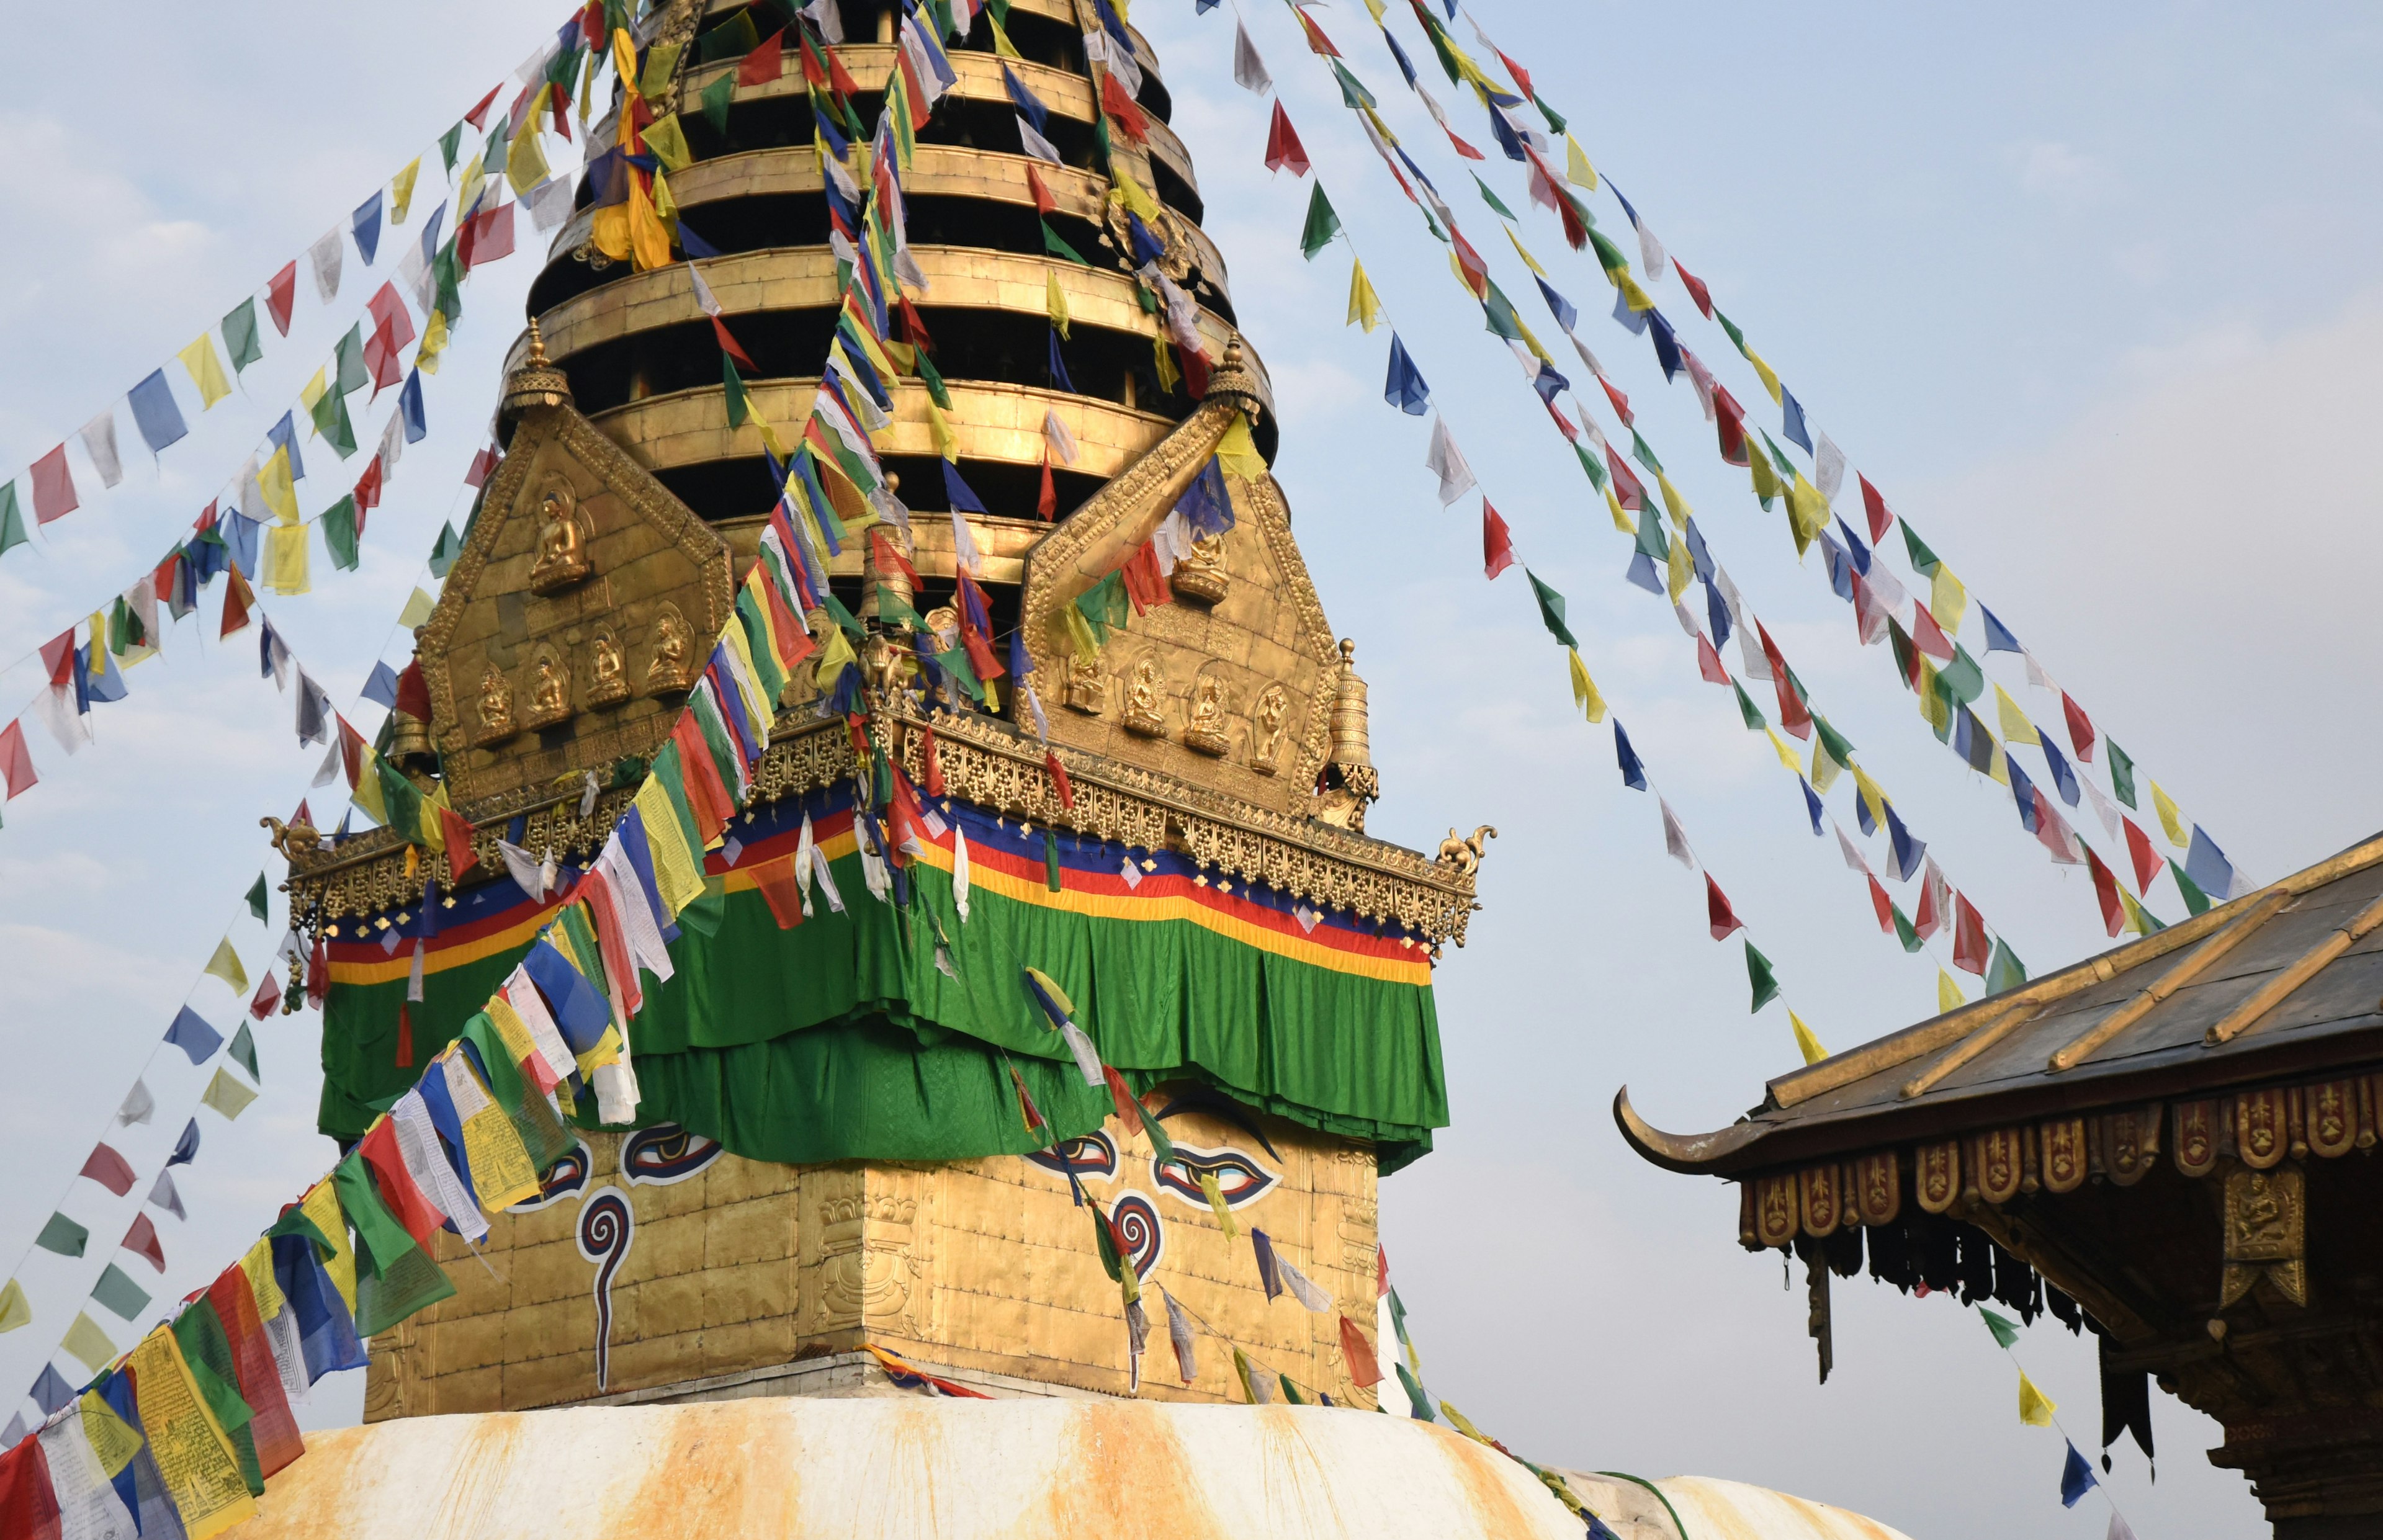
[1349, 781]
[537, 383]
[1466, 855]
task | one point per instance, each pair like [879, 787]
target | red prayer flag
[1122, 1096]
[490, 236]
[1627, 488]
[279, 295]
[1876, 506]
[1927, 635]
[1521, 77]
[1048, 503]
[381, 358]
[1709, 664]
[1496, 542]
[367, 492]
[318, 973]
[460, 855]
[780, 891]
[1718, 912]
[483, 464]
[109, 1170]
[29, 1504]
[1971, 949]
[477, 116]
[1729, 422]
[1358, 1354]
[1697, 290]
[16, 760]
[2146, 858]
[270, 1423]
[1884, 904]
[413, 1208]
[765, 62]
[389, 309]
[1467, 151]
[1929, 917]
[728, 345]
[839, 77]
[1118, 106]
[933, 757]
[2080, 729]
[414, 691]
[890, 561]
[1381, 1270]
[1194, 362]
[269, 994]
[1793, 714]
[1316, 38]
[237, 603]
[706, 796]
[1283, 148]
[1621, 402]
[2106, 889]
[1059, 782]
[1469, 264]
[54, 487]
[914, 329]
[142, 1241]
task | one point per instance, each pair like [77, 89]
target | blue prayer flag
[381, 689]
[1716, 608]
[1404, 387]
[1407, 65]
[1998, 635]
[1667, 346]
[1792, 421]
[52, 1391]
[692, 244]
[284, 434]
[2076, 1478]
[580, 1012]
[1026, 102]
[1854, 547]
[2208, 868]
[2022, 793]
[1059, 380]
[1624, 202]
[327, 1334]
[1633, 319]
[1811, 799]
[1206, 505]
[1700, 558]
[961, 496]
[1558, 307]
[157, 413]
[366, 226]
[2062, 776]
[239, 539]
[1906, 849]
[1840, 567]
[1642, 573]
[186, 1148]
[409, 402]
[1634, 774]
[191, 1034]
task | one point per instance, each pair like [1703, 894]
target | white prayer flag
[99, 440]
[1447, 461]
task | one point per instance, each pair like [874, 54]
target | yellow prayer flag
[1934, 709]
[1081, 639]
[279, 490]
[201, 1473]
[677, 877]
[1770, 376]
[1873, 795]
[1376, 7]
[256, 1265]
[1162, 358]
[367, 795]
[434, 342]
[769, 439]
[501, 1165]
[1679, 569]
[226, 1095]
[587, 87]
[665, 200]
[1638, 298]
[1241, 1372]
[1826, 769]
[525, 161]
[418, 606]
[1528, 260]
[1806, 1044]
[2138, 922]
[401, 192]
[2035, 1408]
[661, 62]
[668, 141]
[285, 558]
[1808, 511]
[1675, 504]
[1583, 689]
[473, 171]
[1057, 300]
[2171, 819]
[1216, 1196]
[648, 243]
[225, 964]
[1948, 600]
[13, 1310]
[1767, 485]
[112, 1439]
[1130, 192]
[322, 1205]
[939, 428]
[1948, 994]
[2017, 729]
[1786, 754]
[207, 369]
[1365, 305]
[1620, 517]
[88, 1343]
[1576, 167]
[624, 63]
[1002, 46]
[1239, 452]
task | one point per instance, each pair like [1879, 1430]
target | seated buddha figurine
[1143, 718]
[1200, 572]
[608, 676]
[674, 648]
[1204, 731]
[496, 705]
[561, 547]
[549, 693]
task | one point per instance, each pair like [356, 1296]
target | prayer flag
[2209, 869]
[1552, 610]
[54, 487]
[1358, 1354]
[1250, 74]
[117, 1290]
[88, 1343]
[2077, 1479]
[225, 1094]
[1283, 149]
[14, 1313]
[2005, 1330]
[157, 413]
[1758, 974]
[1497, 555]
[142, 1241]
[2171, 819]
[1365, 305]
[1948, 994]
[1969, 949]
[1445, 460]
[109, 1170]
[1322, 224]
[63, 1235]
[279, 295]
[189, 1031]
[2035, 1408]
[1806, 1044]
[1720, 918]
[15, 761]
[1404, 387]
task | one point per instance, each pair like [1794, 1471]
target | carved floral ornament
[2258, 1140]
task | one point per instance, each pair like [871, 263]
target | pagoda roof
[2283, 983]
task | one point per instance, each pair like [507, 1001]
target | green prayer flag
[892, 608]
[2122, 769]
[1059, 248]
[739, 408]
[1104, 606]
[240, 336]
[332, 421]
[1353, 94]
[1904, 932]
[2194, 899]
[1499, 311]
[1834, 741]
[2005, 1330]
[1419, 1402]
[1779, 457]
[731, 40]
[1050, 860]
[375, 1225]
[716, 97]
[447, 144]
[402, 798]
[843, 617]
[340, 533]
[443, 554]
[1590, 463]
[1736, 336]
[117, 1290]
[1322, 224]
[244, 1052]
[2006, 972]
[1650, 536]
[933, 379]
[398, 1289]
[1552, 610]
[1609, 255]
[12, 519]
[1755, 721]
[1289, 1391]
[1557, 123]
[1923, 561]
[1758, 973]
[1962, 679]
[1906, 657]
[63, 1235]
[257, 899]
[1644, 454]
[1491, 198]
[352, 374]
[206, 1350]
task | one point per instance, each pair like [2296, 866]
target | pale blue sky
[2090, 292]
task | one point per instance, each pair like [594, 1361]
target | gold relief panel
[1266, 721]
[2267, 1233]
[867, 1264]
[1145, 698]
[2259, 1129]
[1878, 1188]
[1822, 1194]
[670, 652]
[2129, 1143]
[2332, 1114]
[1204, 719]
[1936, 1169]
[578, 566]
[1999, 1166]
[2196, 1138]
[1777, 1210]
[2062, 1143]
